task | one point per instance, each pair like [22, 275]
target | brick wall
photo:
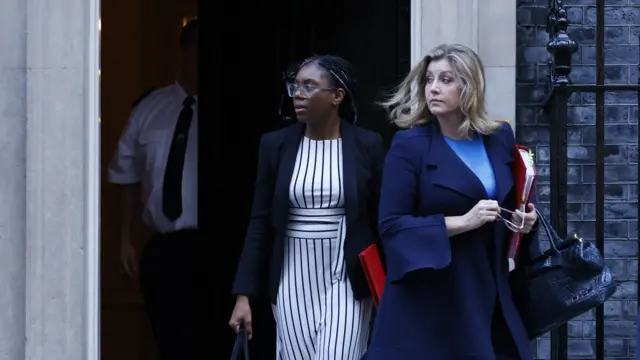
[622, 20]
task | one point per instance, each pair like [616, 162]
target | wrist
[457, 224]
[242, 299]
[534, 227]
[465, 222]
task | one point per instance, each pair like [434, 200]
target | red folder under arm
[373, 270]
[519, 170]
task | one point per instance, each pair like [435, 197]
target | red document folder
[373, 270]
[524, 178]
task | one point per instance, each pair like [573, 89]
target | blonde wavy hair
[407, 105]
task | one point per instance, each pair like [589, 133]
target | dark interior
[248, 91]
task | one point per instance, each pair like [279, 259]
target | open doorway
[374, 35]
[139, 40]
[138, 51]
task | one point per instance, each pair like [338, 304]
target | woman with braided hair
[314, 211]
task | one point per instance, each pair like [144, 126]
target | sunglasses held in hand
[517, 226]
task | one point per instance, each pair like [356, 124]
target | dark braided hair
[341, 75]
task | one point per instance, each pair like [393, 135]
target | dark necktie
[172, 187]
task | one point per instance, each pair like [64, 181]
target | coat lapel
[350, 170]
[449, 171]
[286, 164]
[452, 173]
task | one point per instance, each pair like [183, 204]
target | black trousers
[166, 274]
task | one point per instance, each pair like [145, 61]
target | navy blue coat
[441, 292]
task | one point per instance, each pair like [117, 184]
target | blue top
[474, 155]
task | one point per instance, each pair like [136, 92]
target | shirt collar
[183, 94]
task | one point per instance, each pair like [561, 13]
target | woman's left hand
[530, 218]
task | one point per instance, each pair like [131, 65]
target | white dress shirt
[141, 157]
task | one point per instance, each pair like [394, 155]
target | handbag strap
[551, 233]
[241, 346]
[246, 346]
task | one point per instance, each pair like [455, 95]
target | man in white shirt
[155, 169]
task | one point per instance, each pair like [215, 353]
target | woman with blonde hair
[445, 219]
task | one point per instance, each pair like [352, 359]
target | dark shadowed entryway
[372, 34]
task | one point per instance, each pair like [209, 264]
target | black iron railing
[562, 47]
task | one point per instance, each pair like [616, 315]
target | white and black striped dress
[316, 313]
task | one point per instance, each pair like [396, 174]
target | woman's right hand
[485, 211]
[241, 315]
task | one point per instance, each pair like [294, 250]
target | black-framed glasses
[306, 90]
[515, 227]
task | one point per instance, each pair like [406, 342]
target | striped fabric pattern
[316, 313]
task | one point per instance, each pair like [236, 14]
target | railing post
[561, 48]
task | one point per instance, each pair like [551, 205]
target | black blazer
[263, 253]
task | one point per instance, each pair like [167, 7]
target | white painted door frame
[416, 32]
[92, 168]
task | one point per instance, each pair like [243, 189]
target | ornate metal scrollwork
[560, 45]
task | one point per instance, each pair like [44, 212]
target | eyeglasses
[508, 223]
[306, 90]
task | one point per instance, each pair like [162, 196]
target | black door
[254, 46]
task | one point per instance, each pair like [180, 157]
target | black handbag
[241, 346]
[563, 282]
